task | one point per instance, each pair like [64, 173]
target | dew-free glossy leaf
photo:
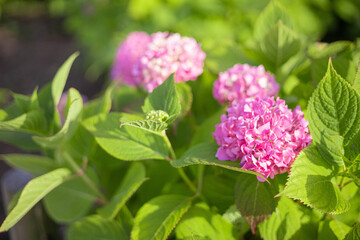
[334, 118]
[157, 218]
[74, 114]
[34, 164]
[254, 199]
[75, 194]
[354, 234]
[96, 227]
[32, 193]
[153, 126]
[204, 153]
[59, 81]
[132, 181]
[165, 98]
[201, 222]
[127, 142]
[312, 182]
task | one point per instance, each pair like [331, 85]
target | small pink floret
[244, 81]
[264, 134]
[147, 61]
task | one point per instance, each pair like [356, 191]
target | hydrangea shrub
[281, 159]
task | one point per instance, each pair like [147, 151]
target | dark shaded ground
[31, 51]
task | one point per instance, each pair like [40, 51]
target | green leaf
[59, 81]
[134, 178]
[75, 194]
[32, 193]
[70, 125]
[127, 142]
[100, 105]
[205, 154]
[340, 53]
[19, 131]
[334, 118]
[199, 221]
[95, 227]
[356, 84]
[340, 229]
[276, 47]
[34, 164]
[185, 97]
[312, 182]
[204, 132]
[354, 234]
[254, 199]
[158, 217]
[153, 126]
[289, 221]
[165, 98]
[271, 15]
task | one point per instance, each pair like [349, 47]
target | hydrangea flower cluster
[264, 133]
[244, 81]
[147, 60]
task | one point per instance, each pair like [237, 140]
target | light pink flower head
[167, 54]
[128, 53]
[264, 134]
[243, 81]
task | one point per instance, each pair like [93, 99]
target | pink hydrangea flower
[264, 134]
[243, 81]
[146, 61]
[128, 53]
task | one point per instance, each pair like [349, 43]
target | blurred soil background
[37, 36]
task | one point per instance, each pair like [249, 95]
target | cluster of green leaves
[125, 165]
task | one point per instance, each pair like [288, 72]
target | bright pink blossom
[243, 81]
[129, 53]
[167, 54]
[263, 133]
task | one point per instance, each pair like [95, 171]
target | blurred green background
[98, 26]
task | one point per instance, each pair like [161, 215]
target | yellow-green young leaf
[340, 229]
[34, 164]
[126, 142]
[75, 194]
[96, 227]
[32, 193]
[290, 221]
[201, 223]
[185, 97]
[334, 118]
[312, 182]
[354, 234]
[157, 218]
[204, 153]
[277, 46]
[254, 199]
[132, 181]
[74, 114]
[99, 105]
[59, 81]
[165, 98]
[271, 15]
[153, 126]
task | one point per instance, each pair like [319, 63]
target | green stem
[201, 169]
[180, 170]
[85, 178]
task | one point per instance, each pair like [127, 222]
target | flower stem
[81, 172]
[180, 170]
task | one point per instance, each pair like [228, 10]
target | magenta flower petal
[263, 133]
